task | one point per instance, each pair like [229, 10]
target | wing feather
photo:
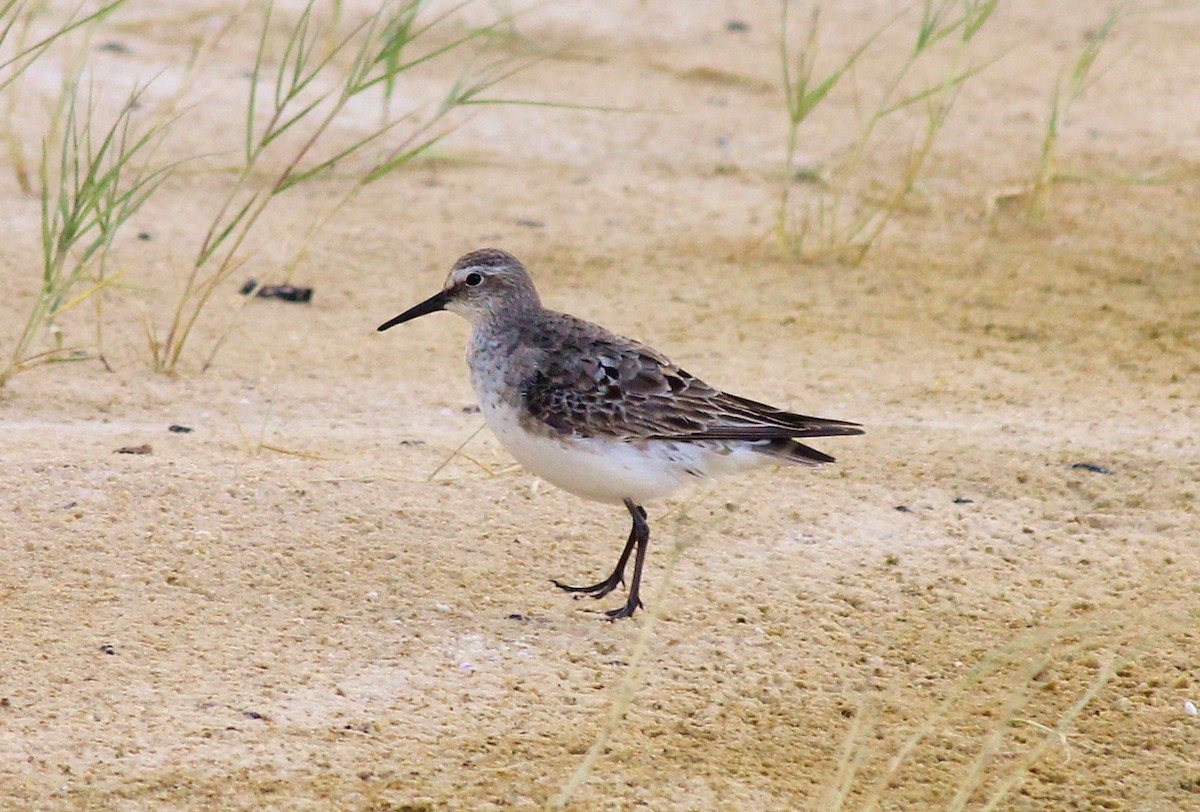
[626, 390]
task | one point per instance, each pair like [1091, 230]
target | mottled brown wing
[602, 385]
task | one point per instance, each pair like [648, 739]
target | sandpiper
[601, 416]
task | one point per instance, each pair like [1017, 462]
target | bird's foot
[625, 611]
[595, 590]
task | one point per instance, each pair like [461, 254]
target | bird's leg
[641, 535]
[618, 574]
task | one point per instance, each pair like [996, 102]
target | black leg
[608, 584]
[641, 534]
[617, 578]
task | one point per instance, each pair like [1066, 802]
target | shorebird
[601, 416]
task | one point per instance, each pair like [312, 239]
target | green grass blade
[976, 17]
[41, 45]
[398, 160]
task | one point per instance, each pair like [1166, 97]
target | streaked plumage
[603, 416]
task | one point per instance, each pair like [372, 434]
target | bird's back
[578, 379]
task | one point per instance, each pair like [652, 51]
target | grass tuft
[835, 225]
[92, 180]
[1066, 91]
[295, 105]
[1003, 686]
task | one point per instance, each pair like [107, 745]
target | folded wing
[626, 390]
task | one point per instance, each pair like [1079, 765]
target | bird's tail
[792, 451]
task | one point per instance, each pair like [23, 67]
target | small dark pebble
[531, 223]
[411, 442]
[253, 715]
[175, 428]
[736, 25]
[284, 293]
[68, 505]
[742, 620]
[144, 448]
[1091, 466]
[144, 236]
[108, 648]
[618, 663]
[962, 500]
[114, 47]
[248, 287]
[520, 617]
[903, 509]
[472, 409]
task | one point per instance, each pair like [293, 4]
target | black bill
[433, 304]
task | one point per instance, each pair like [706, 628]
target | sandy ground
[283, 609]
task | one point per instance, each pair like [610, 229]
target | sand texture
[312, 601]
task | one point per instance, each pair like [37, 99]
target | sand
[310, 601]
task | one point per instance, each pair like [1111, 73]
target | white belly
[612, 471]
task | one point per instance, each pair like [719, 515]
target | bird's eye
[473, 280]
